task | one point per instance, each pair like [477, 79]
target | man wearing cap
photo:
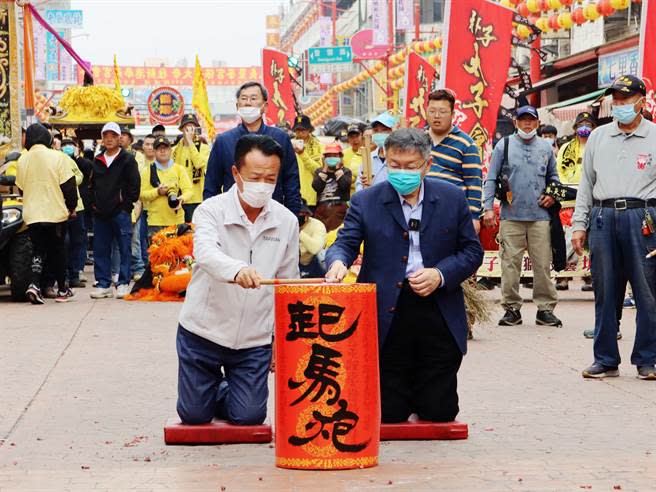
[192, 155]
[525, 220]
[570, 168]
[165, 188]
[332, 184]
[251, 106]
[353, 154]
[113, 189]
[456, 158]
[616, 212]
[308, 155]
[381, 127]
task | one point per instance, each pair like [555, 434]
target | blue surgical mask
[625, 113]
[69, 151]
[332, 161]
[379, 139]
[404, 181]
[549, 140]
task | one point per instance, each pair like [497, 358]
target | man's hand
[162, 190]
[180, 203]
[477, 226]
[337, 272]
[546, 201]
[490, 218]
[248, 278]
[364, 181]
[425, 281]
[578, 241]
[339, 173]
[189, 136]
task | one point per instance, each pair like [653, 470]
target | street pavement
[87, 387]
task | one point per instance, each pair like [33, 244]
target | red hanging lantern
[577, 16]
[605, 8]
[566, 3]
[522, 9]
[544, 5]
[553, 22]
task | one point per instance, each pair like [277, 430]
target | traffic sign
[330, 55]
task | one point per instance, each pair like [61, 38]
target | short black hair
[57, 136]
[547, 129]
[443, 95]
[253, 83]
[150, 135]
[248, 143]
[158, 128]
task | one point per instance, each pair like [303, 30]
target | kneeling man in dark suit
[419, 246]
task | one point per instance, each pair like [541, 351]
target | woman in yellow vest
[165, 187]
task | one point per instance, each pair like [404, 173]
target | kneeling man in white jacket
[225, 330]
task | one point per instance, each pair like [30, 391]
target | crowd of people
[270, 202]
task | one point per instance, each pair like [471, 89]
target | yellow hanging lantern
[523, 31]
[555, 4]
[620, 4]
[590, 12]
[565, 20]
[533, 6]
[543, 24]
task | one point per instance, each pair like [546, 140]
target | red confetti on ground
[134, 441]
[147, 458]
[489, 429]
[585, 486]
[85, 467]
[617, 487]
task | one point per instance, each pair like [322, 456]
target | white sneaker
[101, 293]
[122, 291]
[115, 278]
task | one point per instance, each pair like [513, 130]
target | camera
[174, 201]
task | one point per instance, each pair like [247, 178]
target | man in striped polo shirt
[456, 158]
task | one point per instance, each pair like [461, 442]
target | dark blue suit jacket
[447, 241]
[218, 177]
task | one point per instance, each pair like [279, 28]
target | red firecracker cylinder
[327, 381]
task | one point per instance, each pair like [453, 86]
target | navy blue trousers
[215, 381]
[617, 252]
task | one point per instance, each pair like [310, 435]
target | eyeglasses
[245, 99]
[413, 166]
[439, 112]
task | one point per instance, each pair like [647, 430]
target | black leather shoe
[547, 318]
[512, 318]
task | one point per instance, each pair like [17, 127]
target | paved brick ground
[86, 388]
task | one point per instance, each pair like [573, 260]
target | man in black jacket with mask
[113, 188]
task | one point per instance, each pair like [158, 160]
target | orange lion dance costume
[171, 256]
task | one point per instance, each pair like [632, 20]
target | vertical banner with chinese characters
[9, 80]
[327, 382]
[647, 69]
[276, 79]
[475, 60]
[405, 14]
[380, 21]
[419, 81]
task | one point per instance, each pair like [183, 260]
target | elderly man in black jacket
[113, 188]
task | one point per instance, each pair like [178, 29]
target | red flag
[278, 83]
[419, 81]
[647, 69]
[475, 60]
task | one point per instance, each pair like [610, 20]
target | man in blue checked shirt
[456, 158]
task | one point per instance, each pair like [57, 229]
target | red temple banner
[278, 82]
[420, 76]
[327, 381]
[647, 70]
[475, 60]
[133, 76]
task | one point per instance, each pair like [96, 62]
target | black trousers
[419, 363]
[48, 248]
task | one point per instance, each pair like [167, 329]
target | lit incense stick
[653, 253]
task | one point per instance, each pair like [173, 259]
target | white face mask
[549, 140]
[527, 136]
[256, 194]
[249, 114]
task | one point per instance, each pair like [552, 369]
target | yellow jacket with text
[193, 160]
[159, 212]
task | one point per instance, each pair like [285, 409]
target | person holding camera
[192, 154]
[522, 166]
[165, 188]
